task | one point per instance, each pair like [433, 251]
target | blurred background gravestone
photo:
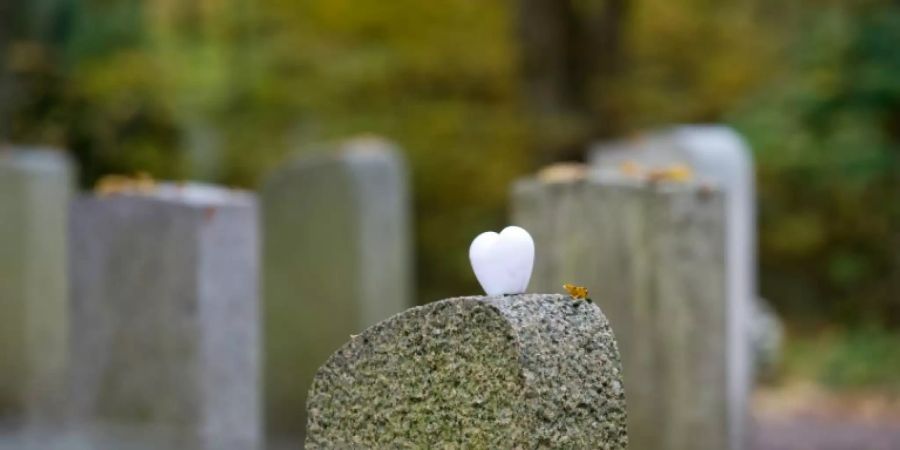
[337, 258]
[719, 155]
[165, 317]
[653, 254]
[35, 188]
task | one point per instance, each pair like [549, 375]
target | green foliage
[146, 81]
[439, 80]
[92, 89]
[827, 136]
[695, 60]
[225, 90]
[864, 357]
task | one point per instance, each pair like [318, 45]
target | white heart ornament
[503, 262]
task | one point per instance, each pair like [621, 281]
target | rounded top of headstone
[347, 157]
[482, 372]
[367, 146]
[665, 179]
[716, 150]
[717, 153]
[199, 194]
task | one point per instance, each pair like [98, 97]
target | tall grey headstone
[165, 320]
[337, 257]
[653, 256]
[35, 188]
[520, 371]
[718, 154]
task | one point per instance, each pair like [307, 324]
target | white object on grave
[503, 262]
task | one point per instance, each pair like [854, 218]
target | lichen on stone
[520, 371]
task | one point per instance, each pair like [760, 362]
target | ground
[804, 416]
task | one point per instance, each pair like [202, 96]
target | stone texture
[653, 256]
[520, 371]
[719, 155]
[35, 187]
[337, 257]
[165, 323]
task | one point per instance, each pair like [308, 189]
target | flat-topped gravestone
[518, 371]
[165, 325]
[337, 260]
[653, 255]
[35, 187]
[720, 155]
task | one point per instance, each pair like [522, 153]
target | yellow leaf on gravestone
[563, 172]
[578, 292]
[113, 184]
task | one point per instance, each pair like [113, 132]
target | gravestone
[165, 325]
[653, 255]
[337, 257]
[35, 187]
[520, 371]
[719, 155]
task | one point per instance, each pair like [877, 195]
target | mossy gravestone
[519, 371]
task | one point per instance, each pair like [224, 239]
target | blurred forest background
[481, 92]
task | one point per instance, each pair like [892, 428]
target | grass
[852, 359]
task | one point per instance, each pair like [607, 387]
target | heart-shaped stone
[503, 262]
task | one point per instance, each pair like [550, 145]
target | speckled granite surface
[522, 371]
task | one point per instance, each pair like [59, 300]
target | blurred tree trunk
[893, 130]
[572, 54]
[893, 308]
[7, 22]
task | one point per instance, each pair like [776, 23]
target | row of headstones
[164, 320]
[662, 228]
[672, 263]
[133, 317]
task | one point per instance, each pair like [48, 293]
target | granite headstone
[518, 371]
